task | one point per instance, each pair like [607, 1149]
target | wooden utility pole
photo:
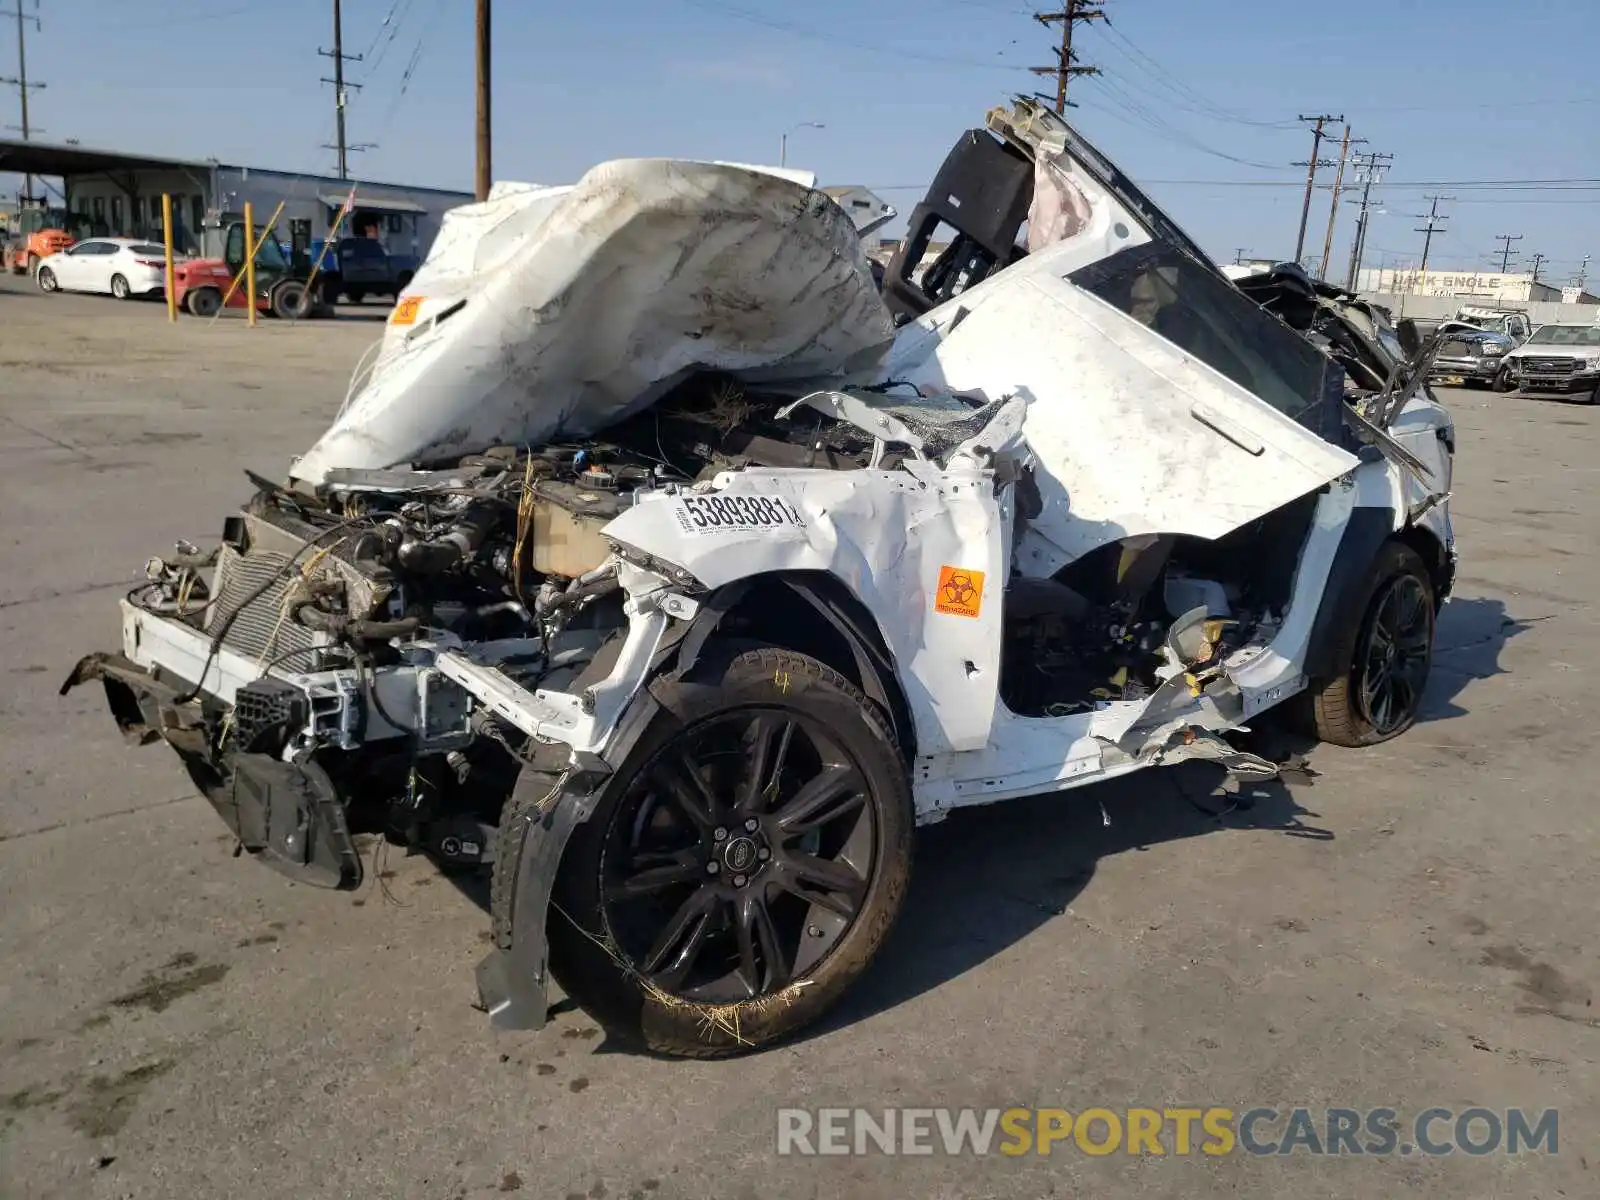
[339, 88]
[1066, 61]
[1538, 261]
[1333, 209]
[485, 141]
[1505, 256]
[1369, 171]
[20, 81]
[1320, 122]
[1427, 242]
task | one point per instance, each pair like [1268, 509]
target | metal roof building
[123, 190]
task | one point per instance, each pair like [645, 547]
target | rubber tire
[356, 295]
[737, 676]
[203, 302]
[33, 265]
[290, 300]
[1503, 383]
[43, 274]
[1330, 705]
[402, 283]
[126, 291]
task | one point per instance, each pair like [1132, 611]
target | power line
[172, 21]
[835, 41]
[1165, 79]
[407, 75]
[1455, 108]
[1075, 12]
[1157, 124]
[391, 25]
[1536, 185]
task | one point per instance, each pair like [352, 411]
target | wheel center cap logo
[739, 854]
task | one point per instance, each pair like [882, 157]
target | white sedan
[123, 267]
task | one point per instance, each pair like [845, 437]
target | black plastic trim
[1365, 533]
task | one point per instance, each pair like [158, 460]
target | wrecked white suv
[664, 568]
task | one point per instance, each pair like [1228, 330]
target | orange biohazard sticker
[405, 313]
[960, 592]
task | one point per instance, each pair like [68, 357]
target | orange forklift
[40, 231]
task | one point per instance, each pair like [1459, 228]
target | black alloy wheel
[1382, 654]
[1396, 652]
[740, 858]
[745, 865]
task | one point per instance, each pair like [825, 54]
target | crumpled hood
[556, 312]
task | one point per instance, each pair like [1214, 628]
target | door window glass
[1196, 310]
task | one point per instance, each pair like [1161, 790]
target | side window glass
[233, 254]
[1194, 309]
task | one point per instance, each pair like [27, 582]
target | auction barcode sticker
[736, 514]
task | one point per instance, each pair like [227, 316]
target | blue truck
[353, 268]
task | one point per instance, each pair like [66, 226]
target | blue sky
[1198, 102]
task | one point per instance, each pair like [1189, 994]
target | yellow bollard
[333, 240]
[250, 262]
[171, 280]
[253, 249]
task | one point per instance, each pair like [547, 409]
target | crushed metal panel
[1131, 435]
[560, 311]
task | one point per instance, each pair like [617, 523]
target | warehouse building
[119, 193]
[1495, 286]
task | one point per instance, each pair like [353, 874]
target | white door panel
[1131, 435]
[97, 272]
[67, 267]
